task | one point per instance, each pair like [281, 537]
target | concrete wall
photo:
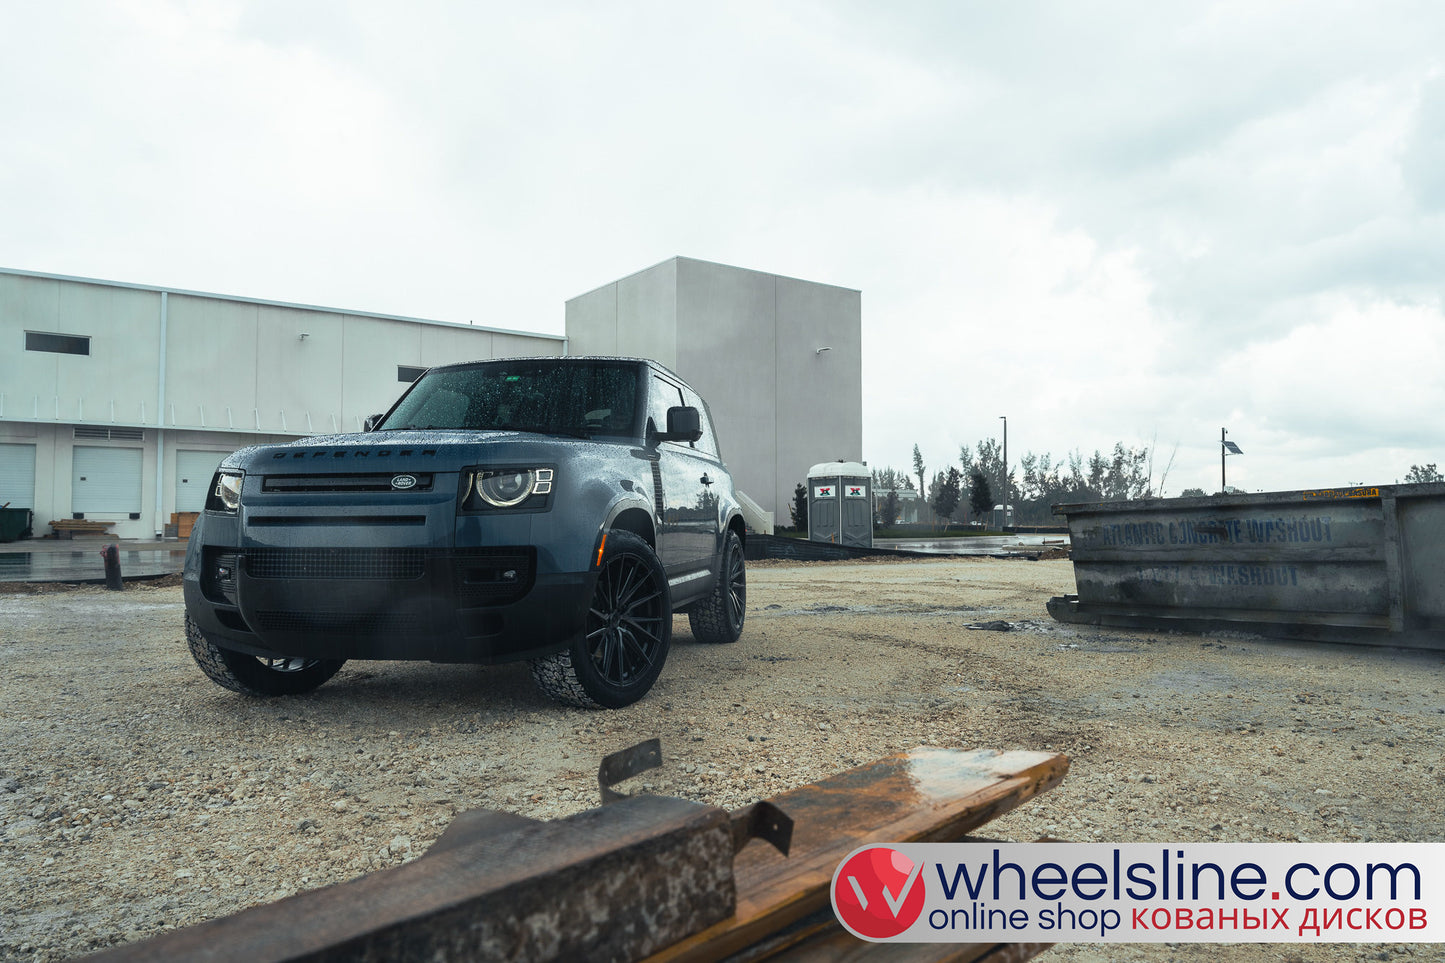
[748, 341]
[237, 372]
[634, 317]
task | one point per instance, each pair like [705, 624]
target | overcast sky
[1130, 221]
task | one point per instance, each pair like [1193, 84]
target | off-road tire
[618, 655]
[255, 676]
[719, 617]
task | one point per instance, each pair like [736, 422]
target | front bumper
[479, 605]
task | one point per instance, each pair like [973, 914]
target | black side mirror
[683, 424]
[371, 422]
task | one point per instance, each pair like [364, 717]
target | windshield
[550, 397]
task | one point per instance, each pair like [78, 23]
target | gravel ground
[135, 796]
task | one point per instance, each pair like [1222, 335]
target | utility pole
[1004, 486]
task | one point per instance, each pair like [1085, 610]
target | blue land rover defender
[558, 510]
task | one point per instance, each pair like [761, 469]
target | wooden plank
[70, 527]
[923, 795]
[80, 525]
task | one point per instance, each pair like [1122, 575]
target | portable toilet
[840, 503]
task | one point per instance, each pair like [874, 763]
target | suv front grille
[371, 482]
[336, 563]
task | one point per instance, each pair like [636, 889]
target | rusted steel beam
[613, 883]
[642, 875]
[924, 795]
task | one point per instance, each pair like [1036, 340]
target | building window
[57, 343]
[407, 373]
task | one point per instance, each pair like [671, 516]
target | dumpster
[840, 503]
[1363, 564]
[14, 523]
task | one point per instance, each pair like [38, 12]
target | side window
[708, 442]
[664, 395]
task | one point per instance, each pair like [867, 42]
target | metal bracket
[762, 820]
[625, 764]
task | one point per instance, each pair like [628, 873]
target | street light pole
[1222, 486]
[1004, 419]
[1225, 448]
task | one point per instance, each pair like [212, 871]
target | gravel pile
[135, 796]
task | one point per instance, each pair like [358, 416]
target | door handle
[705, 480]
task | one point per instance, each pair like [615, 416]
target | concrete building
[779, 360]
[117, 401]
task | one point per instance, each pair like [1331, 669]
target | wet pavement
[78, 560]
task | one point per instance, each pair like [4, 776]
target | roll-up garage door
[106, 480]
[17, 475]
[193, 478]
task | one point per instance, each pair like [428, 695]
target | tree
[918, 466]
[888, 479]
[1420, 474]
[888, 511]
[1192, 493]
[946, 501]
[980, 496]
[799, 508]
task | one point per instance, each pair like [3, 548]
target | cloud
[1107, 222]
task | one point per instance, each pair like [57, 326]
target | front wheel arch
[626, 633]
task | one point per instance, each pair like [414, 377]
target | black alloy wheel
[625, 638]
[620, 652]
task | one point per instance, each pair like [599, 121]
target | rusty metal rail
[643, 877]
[1362, 565]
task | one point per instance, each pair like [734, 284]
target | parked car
[557, 510]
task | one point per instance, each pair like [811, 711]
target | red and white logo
[878, 893]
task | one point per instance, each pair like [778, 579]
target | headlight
[226, 493]
[511, 487]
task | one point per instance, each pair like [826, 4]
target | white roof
[832, 469]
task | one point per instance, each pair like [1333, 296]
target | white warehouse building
[118, 400]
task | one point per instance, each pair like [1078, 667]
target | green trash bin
[14, 523]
